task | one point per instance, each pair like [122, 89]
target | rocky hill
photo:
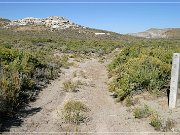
[170, 33]
[54, 22]
[151, 33]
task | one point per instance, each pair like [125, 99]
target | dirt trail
[105, 115]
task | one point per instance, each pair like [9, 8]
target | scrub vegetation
[142, 66]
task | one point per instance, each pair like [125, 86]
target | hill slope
[60, 34]
[169, 33]
[59, 25]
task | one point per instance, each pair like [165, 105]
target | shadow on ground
[16, 119]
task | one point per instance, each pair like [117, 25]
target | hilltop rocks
[54, 22]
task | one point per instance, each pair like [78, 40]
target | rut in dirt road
[105, 115]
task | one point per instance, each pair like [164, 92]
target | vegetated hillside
[168, 33]
[64, 40]
[143, 66]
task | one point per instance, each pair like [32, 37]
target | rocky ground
[105, 115]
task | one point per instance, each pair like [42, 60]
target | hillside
[4, 22]
[169, 33]
[56, 25]
[173, 33]
[31, 32]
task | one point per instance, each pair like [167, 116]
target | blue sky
[117, 17]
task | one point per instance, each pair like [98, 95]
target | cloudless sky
[117, 17]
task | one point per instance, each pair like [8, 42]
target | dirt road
[105, 115]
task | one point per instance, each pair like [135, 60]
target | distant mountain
[173, 33]
[151, 33]
[159, 33]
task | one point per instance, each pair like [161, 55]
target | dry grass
[169, 124]
[129, 101]
[69, 85]
[156, 121]
[74, 112]
[142, 112]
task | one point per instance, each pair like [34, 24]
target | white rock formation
[54, 22]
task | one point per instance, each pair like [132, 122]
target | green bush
[141, 67]
[20, 72]
[10, 86]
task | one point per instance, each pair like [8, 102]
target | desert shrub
[129, 101]
[142, 112]
[156, 122]
[20, 73]
[10, 86]
[154, 118]
[74, 112]
[141, 68]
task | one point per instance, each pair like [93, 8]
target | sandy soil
[106, 117]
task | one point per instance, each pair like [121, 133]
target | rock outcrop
[54, 22]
